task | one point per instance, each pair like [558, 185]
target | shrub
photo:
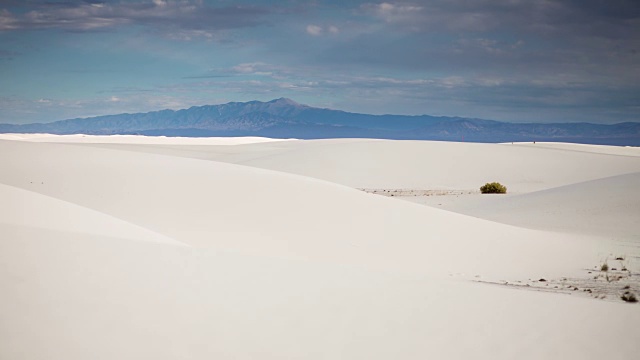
[493, 188]
[629, 297]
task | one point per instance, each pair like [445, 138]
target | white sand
[365, 163]
[608, 207]
[136, 250]
[596, 149]
[137, 139]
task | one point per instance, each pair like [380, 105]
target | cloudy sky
[514, 60]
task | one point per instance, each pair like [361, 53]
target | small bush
[604, 267]
[629, 297]
[493, 188]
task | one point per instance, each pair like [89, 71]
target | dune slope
[231, 207]
[93, 264]
[367, 163]
[608, 207]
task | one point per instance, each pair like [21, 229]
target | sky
[510, 60]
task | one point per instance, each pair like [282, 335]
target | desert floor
[129, 247]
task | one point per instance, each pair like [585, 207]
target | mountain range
[285, 118]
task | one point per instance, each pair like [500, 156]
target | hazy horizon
[273, 100]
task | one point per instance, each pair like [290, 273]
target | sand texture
[250, 248]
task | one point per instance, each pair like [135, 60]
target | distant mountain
[284, 118]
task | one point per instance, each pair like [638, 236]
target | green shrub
[493, 188]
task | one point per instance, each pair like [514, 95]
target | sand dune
[266, 250]
[231, 207]
[608, 207]
[33, 210]
[443, 165]
[366, 163]
[132, 301]
[596, 149]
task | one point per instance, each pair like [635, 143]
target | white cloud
[256, 68]
[184, 19]
[453, 81]
[245, 68]
[188, 35]
[314, 30]
[396, 12]
[7, 21]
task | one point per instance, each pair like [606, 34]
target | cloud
[314, 30]
[180, 19]
[500, 98]
[207, 76]
[395, 12]
[534, 16]
[400, 16]
[486, 58]
[7, 21]
[14, 110]
[494, 97]
[583, 40]
[256, 68]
